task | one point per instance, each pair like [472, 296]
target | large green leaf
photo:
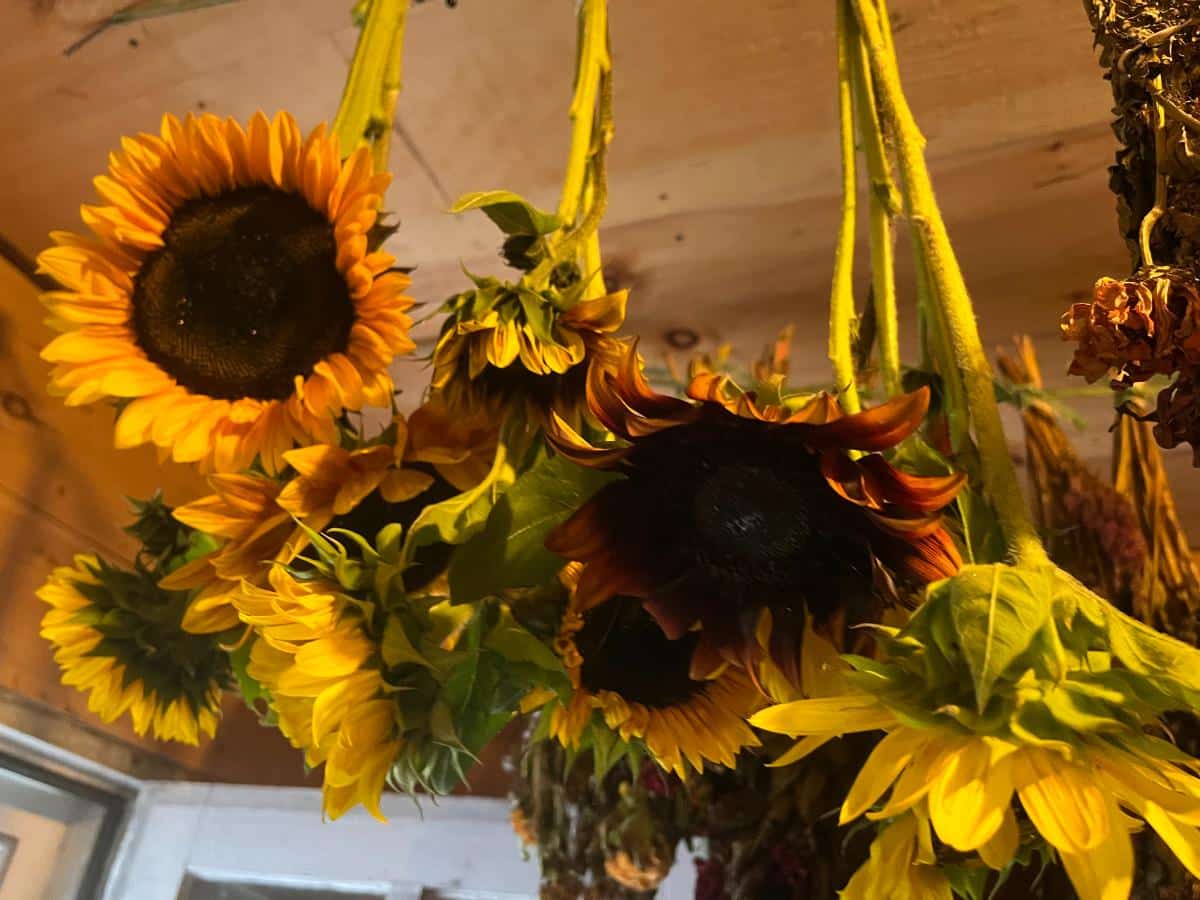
[512, 213]
[510, 551]
[997, 610]
[457, 519]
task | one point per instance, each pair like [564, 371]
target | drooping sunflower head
[316, 656]
[119, 637]
[729, 511]
[417, 461]
[506, 345]
[621, 663]
[228, 296]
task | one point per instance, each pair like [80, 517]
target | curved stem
[368, 106]
[841, 301]
[1146, 231]
[999, 476]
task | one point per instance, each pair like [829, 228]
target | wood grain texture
[724, 199]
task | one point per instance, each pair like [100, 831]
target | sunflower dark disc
[624, 651]
[244, 295]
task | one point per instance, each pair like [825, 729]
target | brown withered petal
[1178, 414]
[728, 509]
[1146, 325]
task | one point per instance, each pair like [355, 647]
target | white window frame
[461, 845]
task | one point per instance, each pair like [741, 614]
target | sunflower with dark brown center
[620, 663]
[229, 297]
[738, 521]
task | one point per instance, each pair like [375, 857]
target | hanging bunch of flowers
[658, 585]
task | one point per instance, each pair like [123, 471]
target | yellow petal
[825, 715]
[999, 850]
[972, 793]
[889, 758]
[1104, 872]
[1062, 800]
[1184, 840]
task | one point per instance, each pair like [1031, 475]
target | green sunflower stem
[368, 107]
[885, 204]
[949, 292]
[841, 301]
[585, 184]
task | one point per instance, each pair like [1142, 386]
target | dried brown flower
[637, 875]
[1147, 325]
[1177, 413]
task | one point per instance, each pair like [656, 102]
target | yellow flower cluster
[315, 657]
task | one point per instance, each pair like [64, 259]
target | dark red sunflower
[729, 509]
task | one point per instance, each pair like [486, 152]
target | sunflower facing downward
[736, 518]
[119, 637]
[506, 346]
[316, 658]
[228, 297]
[620, 662]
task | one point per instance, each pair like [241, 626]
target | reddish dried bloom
[1145, 326]
[1178, 414]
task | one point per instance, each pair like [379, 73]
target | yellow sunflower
[506, 345]
[118, 637]
[424, 459]
[620, 662]
[1081, 798]
[316, 659]
[228, 297]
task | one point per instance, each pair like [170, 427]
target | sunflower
[228, 298]
[620, 662]
[422, 460]
[118, 637]
[1079, 797]
[315, 657]
[506, 345]
[736, 518]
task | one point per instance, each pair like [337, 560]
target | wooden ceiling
[724, 179]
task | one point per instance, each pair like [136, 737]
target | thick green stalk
[885, 203]
[998, 474]
[594, 61]
[841, 300]
[368, 107]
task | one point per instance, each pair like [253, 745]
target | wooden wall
[724, 199]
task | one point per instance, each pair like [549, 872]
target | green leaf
[512, 213]
[607, 748]
[516, 644]
[460, 517]
[1148, 652]
[250, 689]
[997, 610]
[510, 552]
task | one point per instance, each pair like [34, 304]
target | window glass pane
[47, 836]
